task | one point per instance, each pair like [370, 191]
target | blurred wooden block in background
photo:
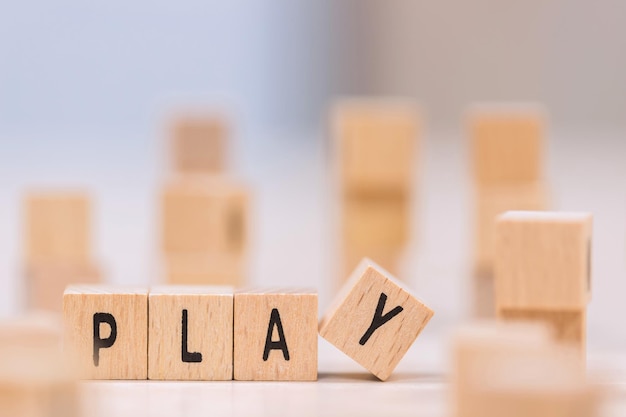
[484, 306]
[106, 331]
[507, 143]
[199, 144]
[375, 144]
[204, 216]
[374, 319]
[389, 260]
[205, 269]
[275, 335]
[57, 227]
[46, 282]
[190, 333]
[542, 260]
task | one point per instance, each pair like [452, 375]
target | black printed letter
[281, 343]
[99, 343]
[379, 319]
[186, 355]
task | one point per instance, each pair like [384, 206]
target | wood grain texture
[542, 260]
[199, 144]
[507, 143]
[197, 320]
[205, 269]
[204, 216]
[256, 328]
[127, 357]
[347, 322]
[57, 227]
[375, 144]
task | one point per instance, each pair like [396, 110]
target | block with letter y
[374, 319]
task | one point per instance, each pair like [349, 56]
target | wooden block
[507, 143]
[376, 222]
[199, 144]
[204, 216]
[375, 144]
[483, 289]
[57, 227]
[491, 201]
[568, 326]
[190, 333]
[205, 269]
[374, 319]
[542, 260]
[275, 335]
[46, 282]
[106, 331]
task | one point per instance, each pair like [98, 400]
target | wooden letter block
[190, 333]
[542, 260]
[57, 227]
[375, 144]
[507, 143]
[199, 145]
[204, 217]
[275, 335]
[374, 319]
[106, 331]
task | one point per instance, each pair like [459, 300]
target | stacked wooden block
[543, 270]
[374, 148]
[518, 370]
[204, 213]
[507, 144]
[215, 333]
[57, 250]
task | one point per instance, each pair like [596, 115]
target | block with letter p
[374, 319]
[106, 331]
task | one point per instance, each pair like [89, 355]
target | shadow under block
[190, 333]
[204, 216]
[374, 319]
[106, 331]
[507, 145]
[542, 260]
[205, 269]
[45, 283]
[275, 335]
[199, 144]
[375, 144]
[57, 227]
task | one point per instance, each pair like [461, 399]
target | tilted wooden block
[205, 269]
[190, 333]
[106, 331]
[374, 319]
[375, 144]
[46, 282]
[376, 222]
[57, 227]
[199, 144]
[542, 260]
[209, 216]
[507, 143]
[275, 335]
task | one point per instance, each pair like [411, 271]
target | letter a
[281, 343]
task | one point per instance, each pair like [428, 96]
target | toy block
[275, 335]
[542, 260]
[106, 331]
[190, 333]
[199, 144]
[568, 326]
[491, 201]
[45, 283]
[507, 143]
[374, 222]
[374, 319]
[57, 227]
[204, 216]
[375, 144]
[205, 269]
[483, 290]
